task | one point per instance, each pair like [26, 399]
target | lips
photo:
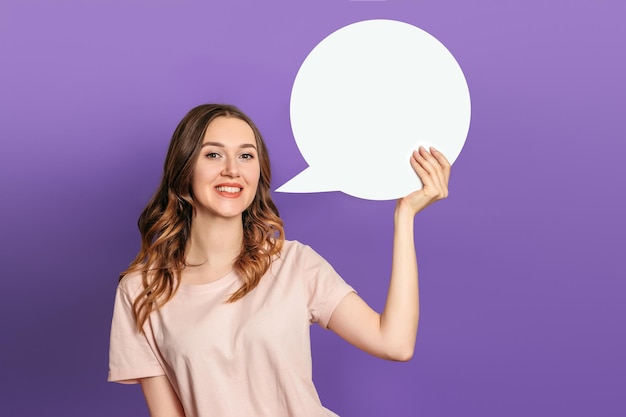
[229, 190]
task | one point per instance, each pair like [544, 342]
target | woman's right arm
[161, 398]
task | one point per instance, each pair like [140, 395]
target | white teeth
[228, 189]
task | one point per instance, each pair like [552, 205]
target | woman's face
[227, 171]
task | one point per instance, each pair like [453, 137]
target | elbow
[399, 349]
[401, 354]
[404, 356]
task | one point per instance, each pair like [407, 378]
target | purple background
[522, 268]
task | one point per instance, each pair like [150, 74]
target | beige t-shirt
[242, 359]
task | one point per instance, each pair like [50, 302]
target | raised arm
[161, 398]
[391, 335]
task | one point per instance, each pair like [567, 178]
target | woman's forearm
[400, 317]
[391, 335]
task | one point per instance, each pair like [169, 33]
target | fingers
[443, 161]
[417, 163]
[433, 169]
[431, 182]
[426, 170]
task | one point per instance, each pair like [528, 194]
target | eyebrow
[221, 145]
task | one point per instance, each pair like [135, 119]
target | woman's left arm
[391, 335]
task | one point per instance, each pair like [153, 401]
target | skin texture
[391, 335]
[229, 158]
[161, 398]
[216, 237]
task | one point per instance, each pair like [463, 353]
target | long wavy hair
[165, 223]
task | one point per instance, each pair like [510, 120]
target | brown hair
[165, 223]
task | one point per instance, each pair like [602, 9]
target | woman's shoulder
[131, 283]
[292, 247]
[296, 251]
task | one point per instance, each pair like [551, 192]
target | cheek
[196, 180]
[199, 182]
[254, 175]
[204, 173]
[253, 183]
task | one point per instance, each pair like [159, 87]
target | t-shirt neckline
[210, 286]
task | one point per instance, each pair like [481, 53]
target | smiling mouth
[231, 190]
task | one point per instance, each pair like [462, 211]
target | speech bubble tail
[308, 181]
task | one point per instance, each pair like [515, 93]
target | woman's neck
[214, 242]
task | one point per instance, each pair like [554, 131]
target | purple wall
[522, 268]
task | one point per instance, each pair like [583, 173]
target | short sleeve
[130, 354]
[324, 287]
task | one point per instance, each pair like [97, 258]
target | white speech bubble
[364, 98]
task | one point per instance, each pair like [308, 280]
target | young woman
[212, 317]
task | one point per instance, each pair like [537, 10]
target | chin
[229, 213]
[224, 210]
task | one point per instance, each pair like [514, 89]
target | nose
[230, 168]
